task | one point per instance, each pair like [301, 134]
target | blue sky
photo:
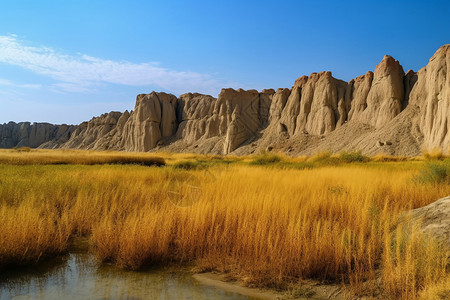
[67, 61]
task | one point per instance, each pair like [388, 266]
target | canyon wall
[385, 111]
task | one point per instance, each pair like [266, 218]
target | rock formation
[153, 118]
[358, 91]
[433, 219]
[33, 135]
[94, 134]
[279, 100]
[386, 95]
[431, 93]
[194, 114]
[384, 111]
[244, 120]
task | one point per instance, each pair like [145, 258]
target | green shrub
[434, 173]
[298, 165]
[324, 159]
[130, 160]
[327, 159]
[266, 159]
[350, 157]
[187, 165]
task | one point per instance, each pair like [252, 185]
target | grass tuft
[328, 159]
[435, 154]
[22, 149]
[267, 158]
[434, 173]
[76, 157]
[188, 165]
[387, 158]
[351, 157]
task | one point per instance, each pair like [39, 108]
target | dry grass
[435, 154]
[437, 291]
[389, 158]
[74, 157]
[268, 225]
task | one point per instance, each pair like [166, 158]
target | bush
[434, 173]
[130, 160]
[350, 157]
[324, 158]
[266, 159]
[187, 165]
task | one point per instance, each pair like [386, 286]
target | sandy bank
[308, 290]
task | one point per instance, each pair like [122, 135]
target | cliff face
[385, 96]
[33, 135]
[431, 94]
[384, 111]
[153, 118]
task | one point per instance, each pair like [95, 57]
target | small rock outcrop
[433, 219]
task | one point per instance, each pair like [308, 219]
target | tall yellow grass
[81, 157]
[267, 225]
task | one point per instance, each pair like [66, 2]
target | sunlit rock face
[154, 117]
[318, 112]
[386, 95]
[431, 93]
[195, 114]
[96, 133]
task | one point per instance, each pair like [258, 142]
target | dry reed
[269, 225]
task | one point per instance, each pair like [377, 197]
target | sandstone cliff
[431, 94]
[385, 111]
[33, 135]
[153, 118]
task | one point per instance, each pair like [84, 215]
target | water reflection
[79, 276]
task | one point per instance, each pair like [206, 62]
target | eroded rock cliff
[431, 94]
[25, 134]
[384, 111]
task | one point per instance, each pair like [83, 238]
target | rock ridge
[384, 111]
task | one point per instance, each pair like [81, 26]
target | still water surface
[79, 276]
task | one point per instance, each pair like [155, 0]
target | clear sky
[67, 61]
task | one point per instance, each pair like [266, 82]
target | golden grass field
[268, 220]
